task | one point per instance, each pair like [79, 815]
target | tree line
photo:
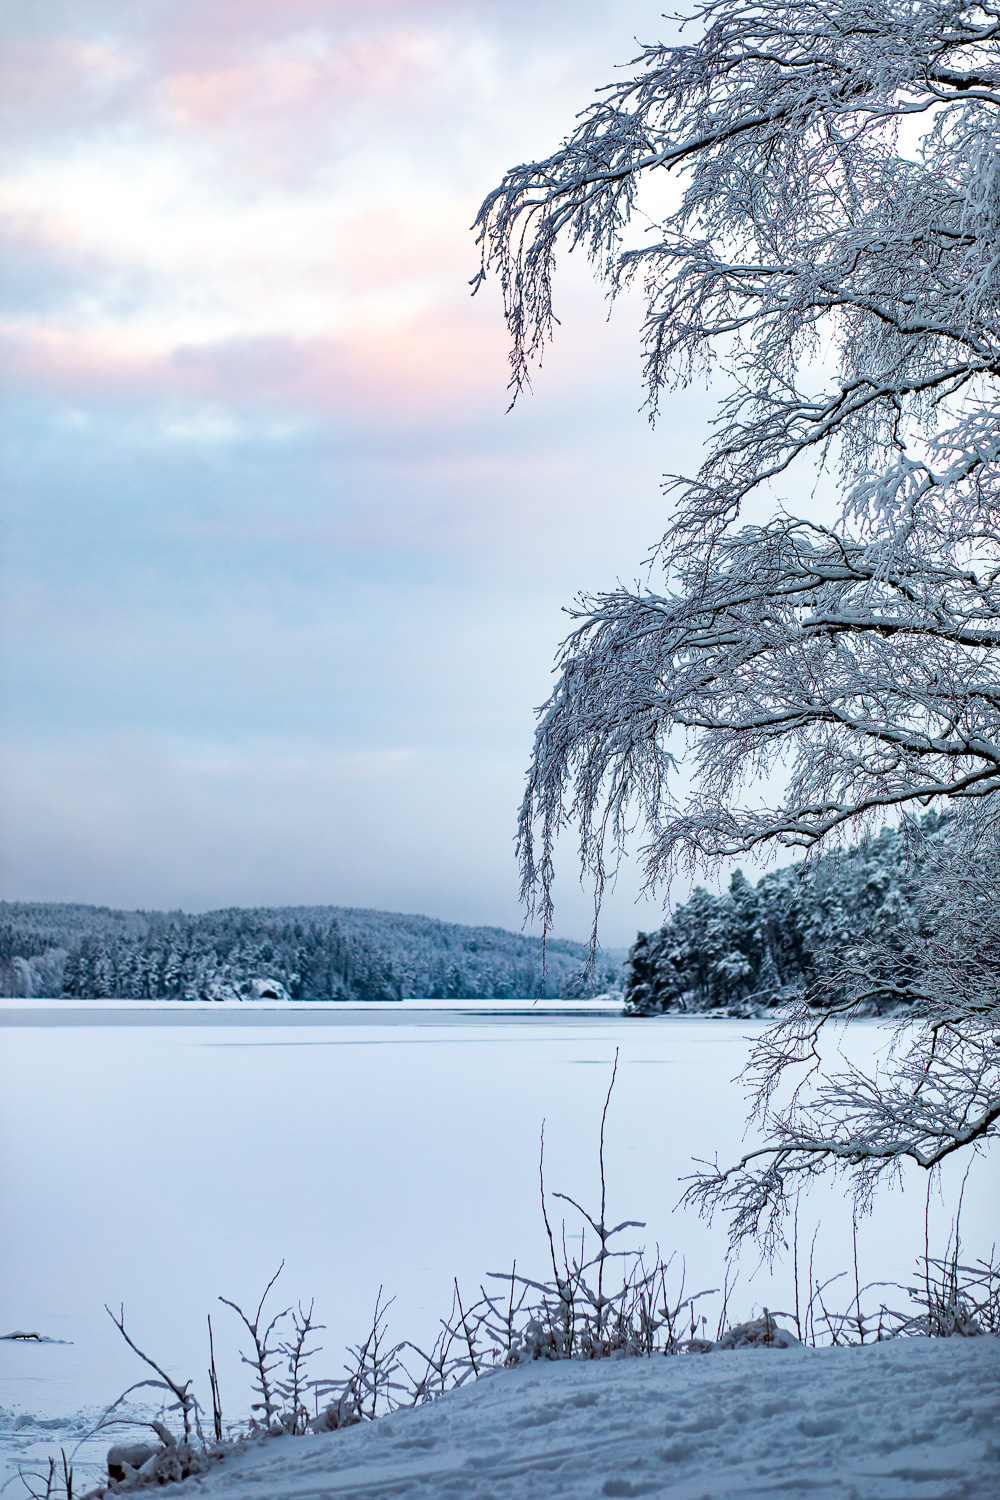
[304, 953]
[754, 947]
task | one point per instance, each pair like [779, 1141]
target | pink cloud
[430, 368]
[214, 64]
[266, 83]
[223, 25]
[431, 365]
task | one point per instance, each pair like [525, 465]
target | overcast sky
[282, 580]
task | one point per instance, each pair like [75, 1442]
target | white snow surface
[911, 1419]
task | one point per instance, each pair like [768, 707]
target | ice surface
[165, 1163]
[28, 1441]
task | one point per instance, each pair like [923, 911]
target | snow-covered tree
[314, 953]
[836, 251]
[832, 253]
[751, 948]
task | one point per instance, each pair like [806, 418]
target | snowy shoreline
[906, 1419]
[913, 1419]
[611, 1005]
[555, 1080]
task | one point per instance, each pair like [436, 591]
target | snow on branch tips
[834, 252]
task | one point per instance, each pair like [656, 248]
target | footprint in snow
[543, 1416]
[626, 1487]
[820, 1426]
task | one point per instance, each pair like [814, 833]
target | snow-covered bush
[759, 1333]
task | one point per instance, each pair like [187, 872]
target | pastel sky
[282, 579]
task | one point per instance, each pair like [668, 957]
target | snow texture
[909, 1420]
[28, 1440]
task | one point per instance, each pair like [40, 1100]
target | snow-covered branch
[866, 669]
[807, 240]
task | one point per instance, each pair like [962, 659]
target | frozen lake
[162, 1156]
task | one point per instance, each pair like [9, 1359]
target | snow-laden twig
[184, 1399]
[293, 1387]
[264, 1360]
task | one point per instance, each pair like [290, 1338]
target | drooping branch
[779, 119]
[870, 670]
[849, 286]
[924, 1113]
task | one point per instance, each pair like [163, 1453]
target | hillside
[305, 952]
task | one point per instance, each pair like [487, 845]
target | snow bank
[910, 1420]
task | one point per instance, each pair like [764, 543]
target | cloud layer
[282, 580]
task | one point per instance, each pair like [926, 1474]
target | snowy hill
[910, 1419]
[308, 952]
[754, 946]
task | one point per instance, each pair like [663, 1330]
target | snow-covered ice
[29, 1440]
[913, 1419]
[159, 1163]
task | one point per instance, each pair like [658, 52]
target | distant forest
[304, 953]
[756, 946]
[739, 953]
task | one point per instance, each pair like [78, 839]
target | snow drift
[915, 1419]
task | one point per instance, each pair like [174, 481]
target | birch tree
[832, 260]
